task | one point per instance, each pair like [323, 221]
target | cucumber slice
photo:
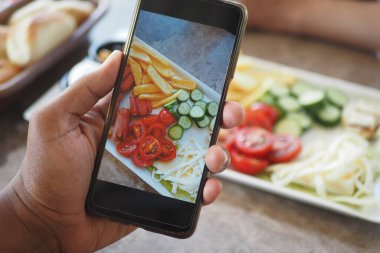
[205, 122]
[212, 124]
[197, 113]
[202, 104]
[279, 90]
[289, 127]
[336, 97]
[267, 98]
[329, 116]
[170, 104]
[212, 109]
[173, 111]
[185, 122]
[176, 132]
[312, 100]
[196, 95]
[302, 119]
[289, 104]
[183, 96]
[183, 109]
[299, 88]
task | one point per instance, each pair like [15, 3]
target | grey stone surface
[244, 219]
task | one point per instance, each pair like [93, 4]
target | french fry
[140, 56]
[159, 81]
[183, 84]
[146, 80]
[244, 82]
[159, 103]
[150, 52]
[258, 93]
[153, 96]
[163, 70]
[136, 71]
[235, 95]
[144, 66]
[145, 89]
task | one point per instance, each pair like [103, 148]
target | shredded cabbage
[341, 170]
[187, 172]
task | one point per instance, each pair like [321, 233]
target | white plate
[201, 136]
[355, 91]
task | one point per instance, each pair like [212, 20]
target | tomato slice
[270, 111]
[157, 130]
[139, 161]
[247, 165]
[257, 119]
[168, 150]
[126, 148]
[137, 132]
[285, 149]
[149, 120]
[149, 148]
[254, 141]
[120, 131]
[166, 117]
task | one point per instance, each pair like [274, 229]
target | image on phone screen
[167, 106]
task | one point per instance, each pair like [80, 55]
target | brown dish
[27, 75]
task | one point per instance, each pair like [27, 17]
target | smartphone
[165, 113]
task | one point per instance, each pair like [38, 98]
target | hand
[51, 187]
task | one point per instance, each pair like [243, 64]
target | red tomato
[168, 150]
[120, 131]
[270, 111]
[149, 120]
[126, 148]
[137, 132]
[285, 149]
[257, 119]
[166, 117]
[149, 148]
[254, 141]
[247, 165]
[139, 161]
[157, 130]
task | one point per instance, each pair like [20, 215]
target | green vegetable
[336, 97]
[289, 104]
[302, 119]
[205, 122]
[197, 113]
[185, 122]
[170, 104]
[279, 90]
[202, 104]
[289, 127]
[176, 132]
[183, 96]
[329, 116]
[312, 100]
[212, 109]
[196, 95]
[183, 109]
[299, 88]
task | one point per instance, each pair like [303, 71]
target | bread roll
[3, 38]
[7, 71]
[34, 37]
[80, 10]
[29, 10]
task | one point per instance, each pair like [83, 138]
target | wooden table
[243, 219]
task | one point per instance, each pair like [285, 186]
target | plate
[199, 135]
[26, 76]
[354, 91]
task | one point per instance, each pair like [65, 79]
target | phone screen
[167, 106]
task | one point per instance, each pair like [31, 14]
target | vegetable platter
[307, 137]
[162, 129]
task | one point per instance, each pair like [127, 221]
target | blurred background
[335, 38]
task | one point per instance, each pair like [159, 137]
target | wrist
[22, 230]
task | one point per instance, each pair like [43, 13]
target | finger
[217, 159]
[233, 115]
[87, 91]
[211, 191]
[103, 105]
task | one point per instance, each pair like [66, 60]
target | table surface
[242, 219]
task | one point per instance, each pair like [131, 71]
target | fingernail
[111, 56]
[227, 159]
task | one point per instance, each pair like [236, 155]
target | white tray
[355, 91]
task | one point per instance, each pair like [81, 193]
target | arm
[355, 23]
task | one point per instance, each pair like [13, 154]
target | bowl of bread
[34, 35]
